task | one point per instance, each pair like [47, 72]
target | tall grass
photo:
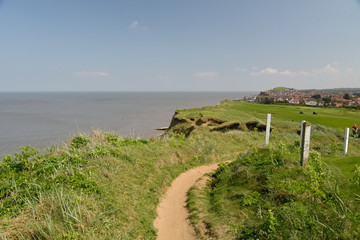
[102, 186]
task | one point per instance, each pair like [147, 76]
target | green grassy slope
[104, 187]
[101, 186]
[330, 117]
[266, 195]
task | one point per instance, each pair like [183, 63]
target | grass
[247, 199]
[265, 194]
[338, 118]
[102, 186]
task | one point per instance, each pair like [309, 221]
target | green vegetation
[265, 194]
[284, 117]
[278, 89]
[102, 186]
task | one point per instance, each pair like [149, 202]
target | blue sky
[168, 45]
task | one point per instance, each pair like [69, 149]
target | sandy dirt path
[172, 221]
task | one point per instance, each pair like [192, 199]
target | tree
[347, 96]
[269, 101]
[327, 100]
[317, 96]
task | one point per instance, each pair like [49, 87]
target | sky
[183, 45]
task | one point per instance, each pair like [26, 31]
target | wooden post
[268, 121]
[346, 144]
[305, 144]
[301, 132]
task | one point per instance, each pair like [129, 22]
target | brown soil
[225, 127]
[255, 124]
[172, 221]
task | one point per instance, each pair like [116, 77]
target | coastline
[122, 180]
[46, 119]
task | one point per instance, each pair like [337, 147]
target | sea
[45, 119]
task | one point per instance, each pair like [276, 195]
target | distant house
[338, 104]
[281, 99]
[264, 97]
[294, 101]
[308, 97]
[311, 103]
[347, 102]
[250, 99]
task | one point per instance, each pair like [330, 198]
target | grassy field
[102, 186]
[338, 118]
[249, 198]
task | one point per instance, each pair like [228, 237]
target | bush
[24, 177]
[79, 141]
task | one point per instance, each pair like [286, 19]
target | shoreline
[47, 119]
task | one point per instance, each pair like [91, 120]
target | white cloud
[206, 74]
[91, 74]
[240, 69]
[290, 73]
[303, 73]
[265, 71]
[134, 25]
[287, 73]
[328, 69]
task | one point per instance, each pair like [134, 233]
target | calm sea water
[45, 119]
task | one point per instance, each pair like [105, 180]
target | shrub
[79, 141]
[26, 175]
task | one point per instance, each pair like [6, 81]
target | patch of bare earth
[172, 221]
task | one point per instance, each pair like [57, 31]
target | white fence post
[346, 144]
[305, 144]
[268, 121]
[302, 130]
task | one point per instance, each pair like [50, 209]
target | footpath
[172, 220]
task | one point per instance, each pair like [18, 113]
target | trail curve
[172, 220]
